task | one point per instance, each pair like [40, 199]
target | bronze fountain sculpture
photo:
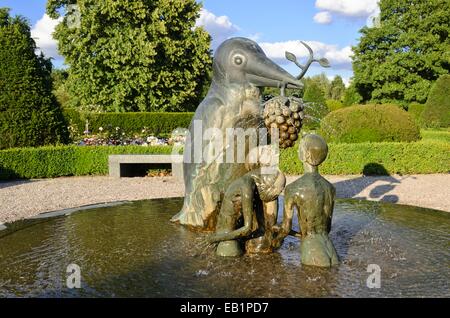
[232, 188]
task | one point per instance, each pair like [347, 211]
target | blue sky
[330, 27]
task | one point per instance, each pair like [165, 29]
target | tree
[398, 60]
[316, 107]
[59, 77]
[337, 88]
[437, 108]
[314, 94]
[29, 113]
[138, 55]
[322, 81]
[351, 96]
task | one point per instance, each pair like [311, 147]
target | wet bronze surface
[134, 250]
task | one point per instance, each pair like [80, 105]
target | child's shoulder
[298, 183]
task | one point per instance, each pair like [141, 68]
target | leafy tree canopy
[316, 107]
[351, 96]
[320, 80]
[314, 93]
[399, 59]
[337, 88]
[137, 55]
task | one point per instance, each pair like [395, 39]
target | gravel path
[23, 199]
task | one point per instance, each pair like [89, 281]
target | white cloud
[339, 58]
[42, 34]
[220, 28]
[351, 8]
[373, 20]
[323, 17]
[255, 37]
[346, 81]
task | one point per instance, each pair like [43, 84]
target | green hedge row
[435, 134]
[377, 158]
[157, 123]
[49, 162]
[369, 158]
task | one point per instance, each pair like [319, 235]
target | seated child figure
[313, 197]
[238, 201]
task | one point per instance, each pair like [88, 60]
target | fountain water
[132, 250]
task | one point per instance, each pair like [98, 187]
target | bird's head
[241, 61]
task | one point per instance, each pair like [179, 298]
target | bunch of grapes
[285, 114]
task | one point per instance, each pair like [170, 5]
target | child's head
[312, 149]
[270, 185]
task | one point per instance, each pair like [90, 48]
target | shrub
[416, 109]
[437, 108]
[29, 113]
[156, 123]
[373, 123]
[377, 158]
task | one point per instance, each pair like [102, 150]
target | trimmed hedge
[377, 158]
[49, 162]
[369, 123]
[437, 108]
[373, 158]
[156, 123]
[416, 109]
[435, 135]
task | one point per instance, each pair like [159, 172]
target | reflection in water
[133, 250]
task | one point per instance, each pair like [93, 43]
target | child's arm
[247, 212]
[287, 223]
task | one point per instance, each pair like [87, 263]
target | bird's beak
[262, 72]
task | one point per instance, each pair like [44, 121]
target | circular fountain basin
[132, 250]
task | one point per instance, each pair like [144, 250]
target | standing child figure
[313, 197]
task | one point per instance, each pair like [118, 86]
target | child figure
[239, 201]
[313, 197]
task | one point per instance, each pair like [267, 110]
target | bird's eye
[238, 60]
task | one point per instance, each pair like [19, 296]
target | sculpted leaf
[324, 62]
[291, 57]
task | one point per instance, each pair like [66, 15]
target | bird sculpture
[240, 69]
